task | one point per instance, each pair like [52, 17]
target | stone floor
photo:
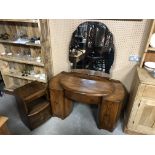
[80, 122]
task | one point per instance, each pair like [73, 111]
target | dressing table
[85, 88]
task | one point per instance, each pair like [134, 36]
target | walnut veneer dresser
[140, 118]
[108, 94]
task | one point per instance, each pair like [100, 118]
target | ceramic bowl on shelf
[38, 59]
[150, 66]
[3, 53]
[42, 76]
[152, 41]
[36, 75]
[9, 54]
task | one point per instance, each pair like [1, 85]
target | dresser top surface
[145, 77]
[87, 86]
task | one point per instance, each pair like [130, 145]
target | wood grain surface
[86, 86]
[78, 86]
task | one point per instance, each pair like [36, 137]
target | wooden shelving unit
[18, 43]
[22, 65]
[20, 20]
[149, 53]
[20, 60]
[30, 78]
[151, 49]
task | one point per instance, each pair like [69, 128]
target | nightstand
[33, 104]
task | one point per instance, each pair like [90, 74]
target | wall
[129, 38]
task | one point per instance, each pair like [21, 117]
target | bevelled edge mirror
[91, 47]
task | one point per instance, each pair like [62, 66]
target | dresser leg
[108, 114]
[68, 107]
[61, 106]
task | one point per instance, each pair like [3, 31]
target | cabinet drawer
[149, 91]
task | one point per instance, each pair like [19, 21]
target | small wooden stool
[33, 104]
[3, 126]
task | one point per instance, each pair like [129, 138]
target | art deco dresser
[108, 94]
[140, 118]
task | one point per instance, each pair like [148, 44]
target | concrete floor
[80, 122]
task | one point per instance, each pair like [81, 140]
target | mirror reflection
[92, 47]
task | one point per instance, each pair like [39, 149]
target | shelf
[78, 36]
[24, 77]
[20, 20]
[148, 54]
[18, 43]
[14, 59]
[151, 49]
[37, 106]
[10, 89]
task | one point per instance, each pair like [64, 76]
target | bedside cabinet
[33, 104]
[140, 116]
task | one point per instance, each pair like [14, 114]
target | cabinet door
[144, 121]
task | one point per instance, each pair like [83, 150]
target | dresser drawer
[149, 91]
